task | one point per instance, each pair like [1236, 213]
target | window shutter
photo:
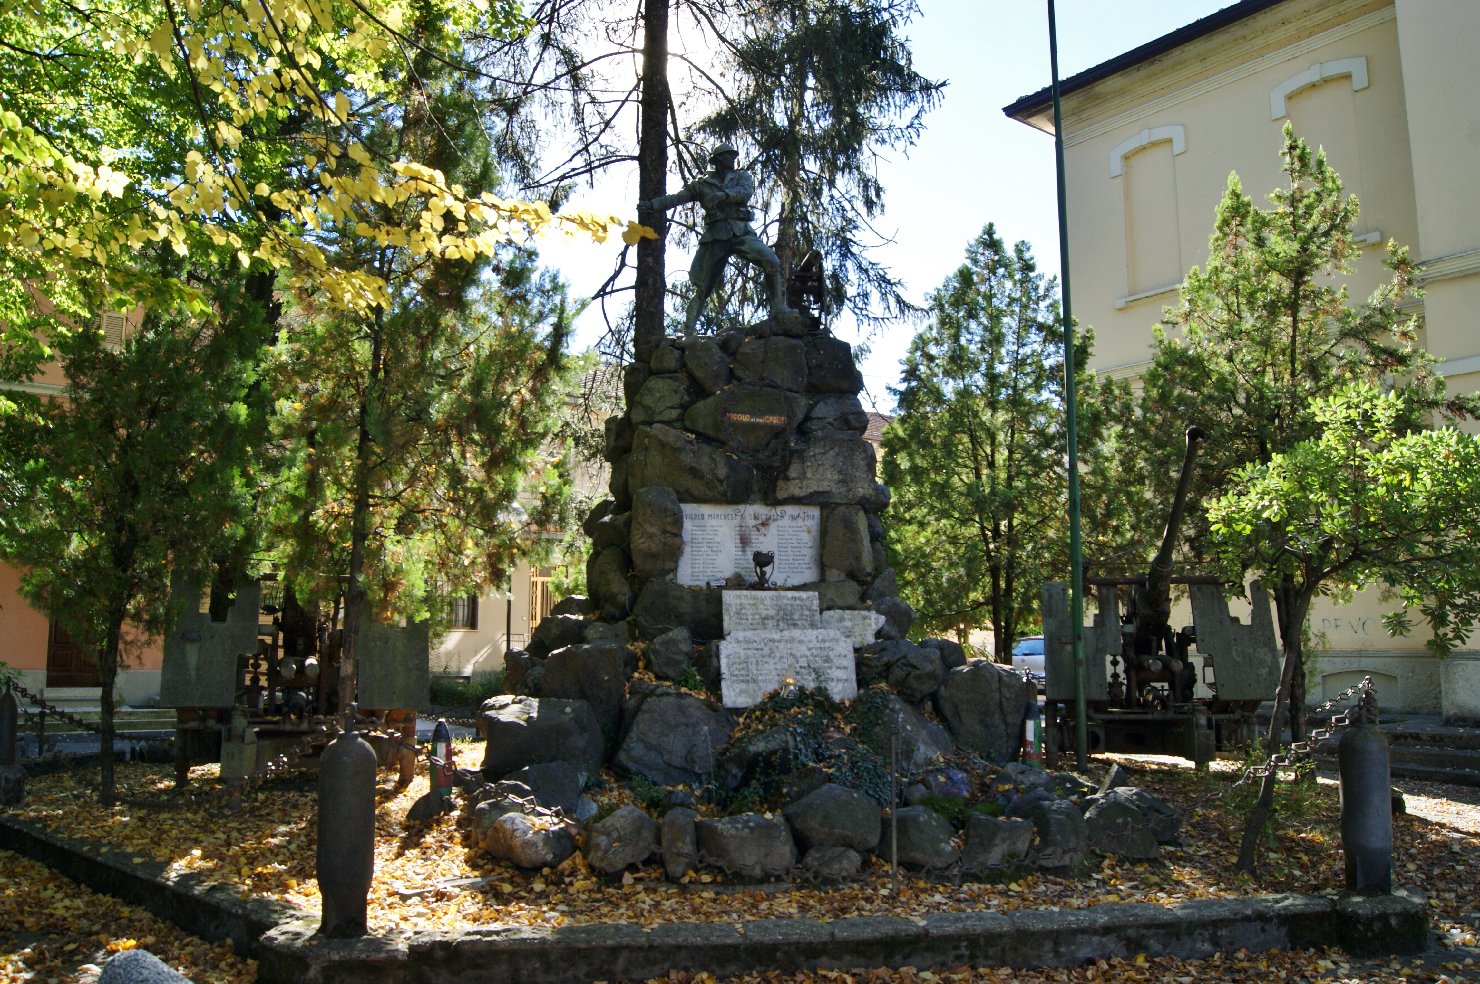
[115, 329]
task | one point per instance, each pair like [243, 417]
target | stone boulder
[662, 400]
[139, 967]
[657, 532]
[952, 654]
[899, 617]
[983, 704]
[952, 783]
[573, 605]
[556, 632]
[909, 670]
[833, 864]
[1130, 822]
[845, 546]
[1063, 837]
[680, 842]
[749, 845]
[994, 841]
[664, 605]
[707, 365]
[612, 529]
[554, 785]
[530, 841]
[671, 737]
[696, 472]
[596, 674]
[608, 578]
[922, 742]
[609, 634]
[520, 731]
[616, 432]
[841, 414]
[778, 362]
[666, 359]
[830, 367]
[670, 654]
[626, 837]
[834, 816]
[924, 839]
[829, 469]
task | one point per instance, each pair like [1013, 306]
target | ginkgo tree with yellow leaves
[235, 124]
[264, 174]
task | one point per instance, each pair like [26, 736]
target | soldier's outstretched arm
[664, 203]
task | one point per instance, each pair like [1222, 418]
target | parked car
[1027, 654]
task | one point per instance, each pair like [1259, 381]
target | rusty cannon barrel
[1153, 600]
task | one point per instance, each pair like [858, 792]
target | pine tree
[979, 515]
[1265, 327]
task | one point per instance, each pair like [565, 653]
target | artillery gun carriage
[1148, 688]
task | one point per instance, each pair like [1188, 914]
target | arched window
[1146, 167]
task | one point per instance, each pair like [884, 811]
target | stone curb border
[281, 937]
[212, 912]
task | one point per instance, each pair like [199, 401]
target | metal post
[894, 803]
[509, 617]
[1076, 560]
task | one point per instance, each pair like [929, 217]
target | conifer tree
[1265, 327]
[979, 515]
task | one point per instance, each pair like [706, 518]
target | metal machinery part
[1142, 678]
[250, 672]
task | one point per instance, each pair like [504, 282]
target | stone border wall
[281, 937]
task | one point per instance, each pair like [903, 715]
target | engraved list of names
[719, 539]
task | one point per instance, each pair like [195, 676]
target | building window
[540, 599]
[1153, 246]
[462, 613]
[1323, 112]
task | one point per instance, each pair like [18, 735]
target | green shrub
[456, 692]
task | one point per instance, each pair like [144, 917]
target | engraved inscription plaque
[751, 664]
[859, 628]
[769, 611]
[718, 541]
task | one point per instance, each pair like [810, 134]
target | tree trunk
[354, 591]
[1291, 604]
[107, 678]
[652, 174]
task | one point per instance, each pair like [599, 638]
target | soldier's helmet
[721, 149]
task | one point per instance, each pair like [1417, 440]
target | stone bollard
[12, 775]
[10, 718]
[1204, 738]
[346, 831]
[139, 967]
[1366, 802]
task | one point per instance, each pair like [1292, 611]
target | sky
[972, 166]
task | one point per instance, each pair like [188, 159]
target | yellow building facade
[1387, 88]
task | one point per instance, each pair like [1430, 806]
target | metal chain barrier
[1303, 749]
[231, 793]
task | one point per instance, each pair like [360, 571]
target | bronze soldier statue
[724, 193]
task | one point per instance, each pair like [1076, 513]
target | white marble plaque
[718, 541]
[769, 611]
[858, 627]
[751, 664]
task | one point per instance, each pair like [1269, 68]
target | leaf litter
[427, 880]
